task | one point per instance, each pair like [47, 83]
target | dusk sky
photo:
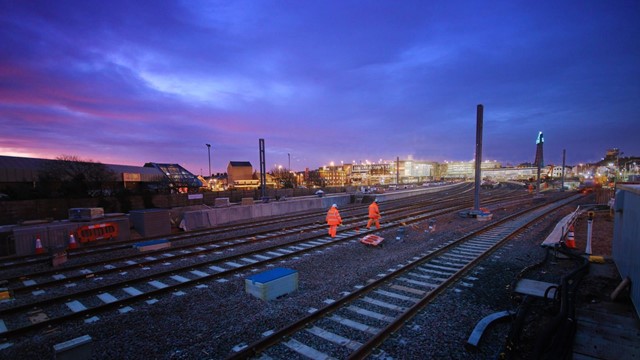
[130, 82]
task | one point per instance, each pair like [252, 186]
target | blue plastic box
[271, 284]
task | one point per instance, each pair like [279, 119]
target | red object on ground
[372, 240]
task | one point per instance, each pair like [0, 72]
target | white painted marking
[268, 333]
[396, 295]
[355, 325]
[59, 276]
[109, 267]
[179, 278]
[222, 280]
[152, 301]
[91, 320]
[179, 293]
[306, 351]
[132, 291]
[76, 306]
[369, 313]
[262, 257]
[329, 301]
[125, 310]
[233, 264]
[130, 262]
[239, 347]
[202, 286]
[70, 285]
[335, 338]
[199, 273]
[250, 261]
[157, 284]
[168, 255]
[28, 282]
[383, 304]
[276, 254]
[107, 298]
[217, 268]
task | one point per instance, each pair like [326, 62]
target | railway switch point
[72, 242]
[39, 248]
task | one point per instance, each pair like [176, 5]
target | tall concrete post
[263, 171]
[479, 122]
[397, 170]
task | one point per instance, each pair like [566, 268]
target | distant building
[240, 176]
[18, 173]
[467, 169]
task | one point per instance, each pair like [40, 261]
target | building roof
[177, 175]
[19, 169]
[240, 163]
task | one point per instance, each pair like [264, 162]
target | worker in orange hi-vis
[333, 220]
[374, 214]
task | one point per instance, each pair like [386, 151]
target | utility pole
[209, 152]
[564, 154]
[479, 124]
[263, 170]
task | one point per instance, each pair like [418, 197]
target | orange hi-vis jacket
[333, 217]
[374, 211]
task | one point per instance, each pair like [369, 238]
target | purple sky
[129, 82]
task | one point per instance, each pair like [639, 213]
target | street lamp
[289, 155]
[209, 153]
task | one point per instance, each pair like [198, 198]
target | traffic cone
[571, 241]
[39, 248]
[72, 242]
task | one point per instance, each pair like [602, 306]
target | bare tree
[70, 176]
[283, 177]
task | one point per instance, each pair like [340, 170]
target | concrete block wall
[201, 219]
[626, 237]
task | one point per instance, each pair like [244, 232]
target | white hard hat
[375, 200]
[334, 205]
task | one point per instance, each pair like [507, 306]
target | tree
[283, 177]
[68, 176]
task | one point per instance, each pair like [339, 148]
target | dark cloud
[322, 81]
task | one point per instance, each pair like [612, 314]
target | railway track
[53, 311]
[256, 227]
[355, 325]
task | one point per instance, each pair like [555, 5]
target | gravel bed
[208, 322]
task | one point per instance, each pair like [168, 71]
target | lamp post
[289, 155]
[209, 153]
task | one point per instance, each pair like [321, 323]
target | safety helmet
[334, 205]
[375, 200]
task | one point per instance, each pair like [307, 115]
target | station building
[19, 174]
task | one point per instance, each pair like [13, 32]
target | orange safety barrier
[91, 233]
